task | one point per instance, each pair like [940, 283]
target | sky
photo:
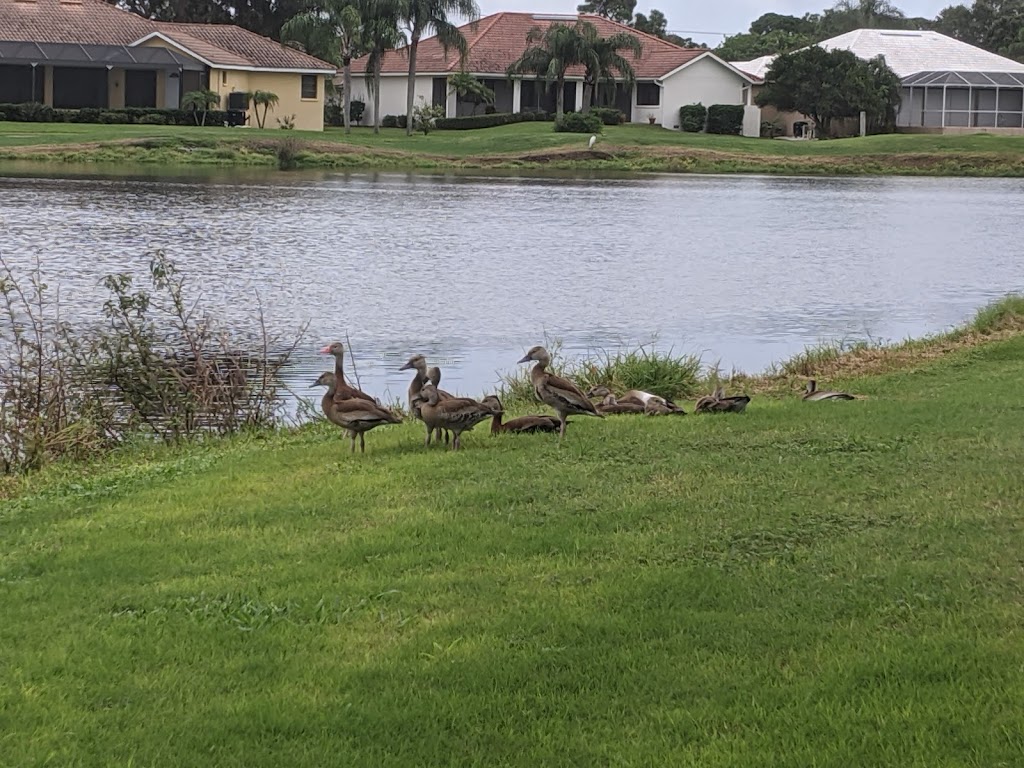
[690, 17]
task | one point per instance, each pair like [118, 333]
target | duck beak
[525, 359]
[405, 367]
[326, 350]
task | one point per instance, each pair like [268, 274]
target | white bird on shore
[593, 141]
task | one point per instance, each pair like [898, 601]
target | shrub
[692, 118]
[153, 120]
[482, 121]
[286, 123]
[356, 109]
[609, 115]
[577, 122]
[490, 109]
[39, 113]
[726, 119]
[334, 114]
[425, 116]
[115, 118]
[287, 154]
[389, 121]
[771, 128]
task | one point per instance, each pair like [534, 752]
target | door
[140, 88]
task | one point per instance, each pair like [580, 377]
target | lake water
[471, 270]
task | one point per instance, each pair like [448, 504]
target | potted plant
[651, 119]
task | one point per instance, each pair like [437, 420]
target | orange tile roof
[97, 22]
[497, 40]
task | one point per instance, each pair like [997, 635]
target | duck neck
[496, 423]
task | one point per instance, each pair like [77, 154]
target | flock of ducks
[442, 413]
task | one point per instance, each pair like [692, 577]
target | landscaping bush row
[724, 119]
[40, 113]
[470, 122]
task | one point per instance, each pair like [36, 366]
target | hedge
[40, 113]
[577, 122]
[609, 115]
[470, 122]
[725, 119]
[692, 118]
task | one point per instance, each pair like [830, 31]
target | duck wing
[566, 394]
[345, 392]
[360, 412]
[525, 424]
[462, 412]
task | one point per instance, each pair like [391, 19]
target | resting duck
[610, 405]
[561, 394]
[355, 415]
[717, 402]
[636, 396]
[813, 393]
[521, 425]
[344, 391]
[458, 414]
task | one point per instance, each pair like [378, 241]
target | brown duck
[458, 414]
[560, 394]
[344, 391]
[611, 405]
[521, 425]
[812, 393]
[717, 402]
[357, 416]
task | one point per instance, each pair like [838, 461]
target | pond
[472, 269]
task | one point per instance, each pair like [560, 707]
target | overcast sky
[730, 16]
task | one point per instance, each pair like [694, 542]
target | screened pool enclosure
[963, 99]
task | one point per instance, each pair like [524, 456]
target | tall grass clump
[812, 359]
[1007, 314]
[287, 152]
[159, 366]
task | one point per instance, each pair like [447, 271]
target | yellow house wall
[115, 88]
[309, 113]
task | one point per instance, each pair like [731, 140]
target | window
[648, 95]
[309, 86]
[224, 77]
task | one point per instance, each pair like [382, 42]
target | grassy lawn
[524, 137]
[826, 584]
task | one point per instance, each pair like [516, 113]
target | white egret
[593, 141]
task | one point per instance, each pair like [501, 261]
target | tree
[549, 54]
[471, 90]
[774, 22]
[264, 99]
[848, 15]
[616, 10]
[199, 103]
[830, 85]
[603, 61]
[380, 33]
[656, 24]
[264, 17]
[335, 30]
[426, 15]
[747, 46]
[995, 25]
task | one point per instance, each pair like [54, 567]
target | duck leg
[352, 437]
[446, 437]
[362, 442]
[561, 429]
[426, 441]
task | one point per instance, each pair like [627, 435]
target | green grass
[825, 584]
[526, 145]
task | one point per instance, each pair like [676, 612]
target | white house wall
[393, 91]
[703, 82]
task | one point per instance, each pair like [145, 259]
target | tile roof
[907, 52]
[497, 40]
[95, 22]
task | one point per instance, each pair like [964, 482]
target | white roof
[907, 52]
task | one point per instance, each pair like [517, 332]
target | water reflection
[471, 269]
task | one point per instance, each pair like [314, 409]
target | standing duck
[561, 394]
[458, 414]
[357, 416]
[717, 402]
[813, 393]
[423, 375]
[344, 391]
[521, 425]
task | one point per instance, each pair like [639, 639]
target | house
[948, 85]
[87, 53]
[667, 76]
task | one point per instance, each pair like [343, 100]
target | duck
[812, 393]
[357, 416]
[457, 414]
[561, 394]
[521, 425]
[611, 405]
[344, 391]
[717, 402]
[423, 375]
[636, 396]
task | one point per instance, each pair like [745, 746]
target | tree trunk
[376, 94]
[346, 97]
[588, 95]
[560, 98]
[410, 97]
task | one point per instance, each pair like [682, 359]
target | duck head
[326, 380]
[337, 349]
[417, 362]
[599, 391]
[434, 375]
[428, 395]
[494, 403]
[538, 354]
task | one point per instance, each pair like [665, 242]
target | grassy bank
[526, 146]
[803, 584]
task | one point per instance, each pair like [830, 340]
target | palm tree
[380, 33]
[426, 15]
[336, 25]
[552, 51]
[264, 99]
[603, 61]
[200, 102]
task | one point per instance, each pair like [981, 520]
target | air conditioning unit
[238, 100]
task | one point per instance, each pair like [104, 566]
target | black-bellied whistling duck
[717, 402]
[812, 393]
[611, 405]
[561, 394]
[520, 425]
[344, 391]
[637, 396]
[357, 416]
[458, 414]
